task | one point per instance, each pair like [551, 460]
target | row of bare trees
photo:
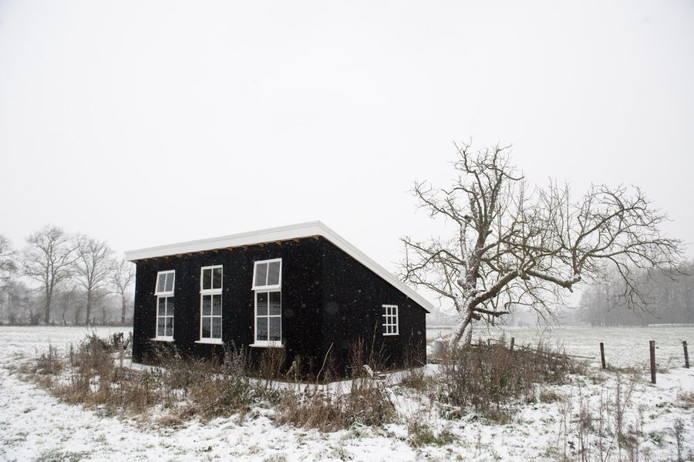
[666, 298]
[61, 266]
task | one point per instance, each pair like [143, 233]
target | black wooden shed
[302, 288]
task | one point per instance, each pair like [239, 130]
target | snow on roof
[283, 233]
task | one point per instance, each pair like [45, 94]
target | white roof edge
[283, 233]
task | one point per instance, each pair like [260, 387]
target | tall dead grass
[94, 375]
[326, 408]
[486, 376]
[482, 379]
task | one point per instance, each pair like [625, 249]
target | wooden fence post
[513, 341]
[602, 354]
[651, 345]
[686, 354]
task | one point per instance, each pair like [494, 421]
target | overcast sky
[144, 123]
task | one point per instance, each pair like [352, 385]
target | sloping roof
[283, 233]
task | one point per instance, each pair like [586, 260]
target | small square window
[211, 278]
[267, 274]
[165, 283]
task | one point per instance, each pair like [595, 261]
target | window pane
[206, 279]
[160, 327]
[161, 282]
[275, 329]
[169, 282]
[206, 328]
[273, 277]
[217, 278]
[169, 306]
[206, 308]
[261, 329]
[217, 305]
[260, 274]
[261, 303]
[169, 326]
[275, 303]
[161, 311]
[216, 327]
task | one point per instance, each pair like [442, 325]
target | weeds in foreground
[487, 381]
[606, 425]
[488, 376]
[185, 387]
[685, 400]
[422, 434]
[367, 402]
[93, 375]
[49, 363]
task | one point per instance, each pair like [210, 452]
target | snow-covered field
[36, 426]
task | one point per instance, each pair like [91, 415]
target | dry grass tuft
[685, 399]
[366, 404]
[485, 377]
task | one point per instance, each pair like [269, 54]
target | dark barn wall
[301, 298]
[329, 301]
[353, 298]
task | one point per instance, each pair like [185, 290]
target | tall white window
[267, 284]
[390, 319]
[164, 292]
[211, 303]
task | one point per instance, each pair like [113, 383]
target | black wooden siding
[354, 297]
[329, 300]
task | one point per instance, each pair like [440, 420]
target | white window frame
[167, 297]
[390, 320]
[267, 286]
[211, 292]
[268, 289]
[166, 274]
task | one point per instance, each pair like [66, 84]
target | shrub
[486, 376]
[49, 363]
[421, 434]
[685, 399]
[367, 403]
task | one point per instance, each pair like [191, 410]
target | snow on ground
[36, 426]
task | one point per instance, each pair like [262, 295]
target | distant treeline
[667, 298]
[64, 278]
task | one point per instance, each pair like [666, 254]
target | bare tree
[48, 259]
[21, 304]
[122, 278]
[7, 267]
[93, 268]
[7, 256]
[66, 302]
[668, 295]
[513, 246]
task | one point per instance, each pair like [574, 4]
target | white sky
[147, 123]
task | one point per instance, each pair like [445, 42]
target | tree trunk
[124, 308]
[47, 310]
[78, 312]
[463, 330]
[89, 308]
